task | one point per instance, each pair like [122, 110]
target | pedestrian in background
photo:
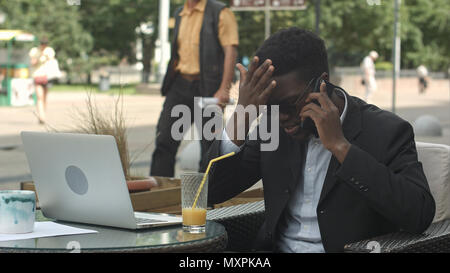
[368, 70]
[422, 73]
[204, 52]
[41, 57]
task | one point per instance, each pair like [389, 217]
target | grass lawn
[115, 89]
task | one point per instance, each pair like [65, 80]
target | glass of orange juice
[194, 218]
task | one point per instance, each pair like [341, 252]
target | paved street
[142, 112]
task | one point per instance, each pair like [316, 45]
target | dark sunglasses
[287, 108]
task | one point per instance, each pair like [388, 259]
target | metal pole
[317, 8]
[396, 52]
[267, 19]
[164, 10]
[8, 71]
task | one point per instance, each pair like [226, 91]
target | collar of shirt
[200, 6]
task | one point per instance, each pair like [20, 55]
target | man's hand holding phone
[327, 120]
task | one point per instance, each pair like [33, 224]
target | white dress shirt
[299, 229]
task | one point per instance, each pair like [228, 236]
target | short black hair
[295, 49]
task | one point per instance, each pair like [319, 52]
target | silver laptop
[79, 178]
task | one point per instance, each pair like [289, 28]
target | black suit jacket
[379, 188]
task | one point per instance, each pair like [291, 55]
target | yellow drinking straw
[206, 175]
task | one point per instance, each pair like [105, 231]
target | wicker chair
[242, 222]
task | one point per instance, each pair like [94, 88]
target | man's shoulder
[374, 113]
[178, 10]
[378, 120]
[217, 3]
[367, 61]
[215, 6]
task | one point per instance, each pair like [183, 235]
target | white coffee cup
[17, 211]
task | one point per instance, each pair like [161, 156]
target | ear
[325, 76]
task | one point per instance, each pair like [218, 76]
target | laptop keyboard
[147, 221]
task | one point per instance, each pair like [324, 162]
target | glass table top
[114, 238]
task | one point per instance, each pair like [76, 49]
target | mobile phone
[308, 124]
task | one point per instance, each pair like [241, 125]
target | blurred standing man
[422, 73]
[204, 52]
[368, 68]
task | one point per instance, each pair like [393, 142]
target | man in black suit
[352, 176]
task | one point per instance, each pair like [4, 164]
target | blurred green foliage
[383, 66]
[103, 32]
[352, 28]
[58, 21]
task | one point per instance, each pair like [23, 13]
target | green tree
[100, 32]
[427, 38]
[113, 25]
[352, 28]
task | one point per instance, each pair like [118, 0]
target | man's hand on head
[256, 84]
[255, 87]
[328, 123]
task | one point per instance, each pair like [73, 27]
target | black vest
[211, 51]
